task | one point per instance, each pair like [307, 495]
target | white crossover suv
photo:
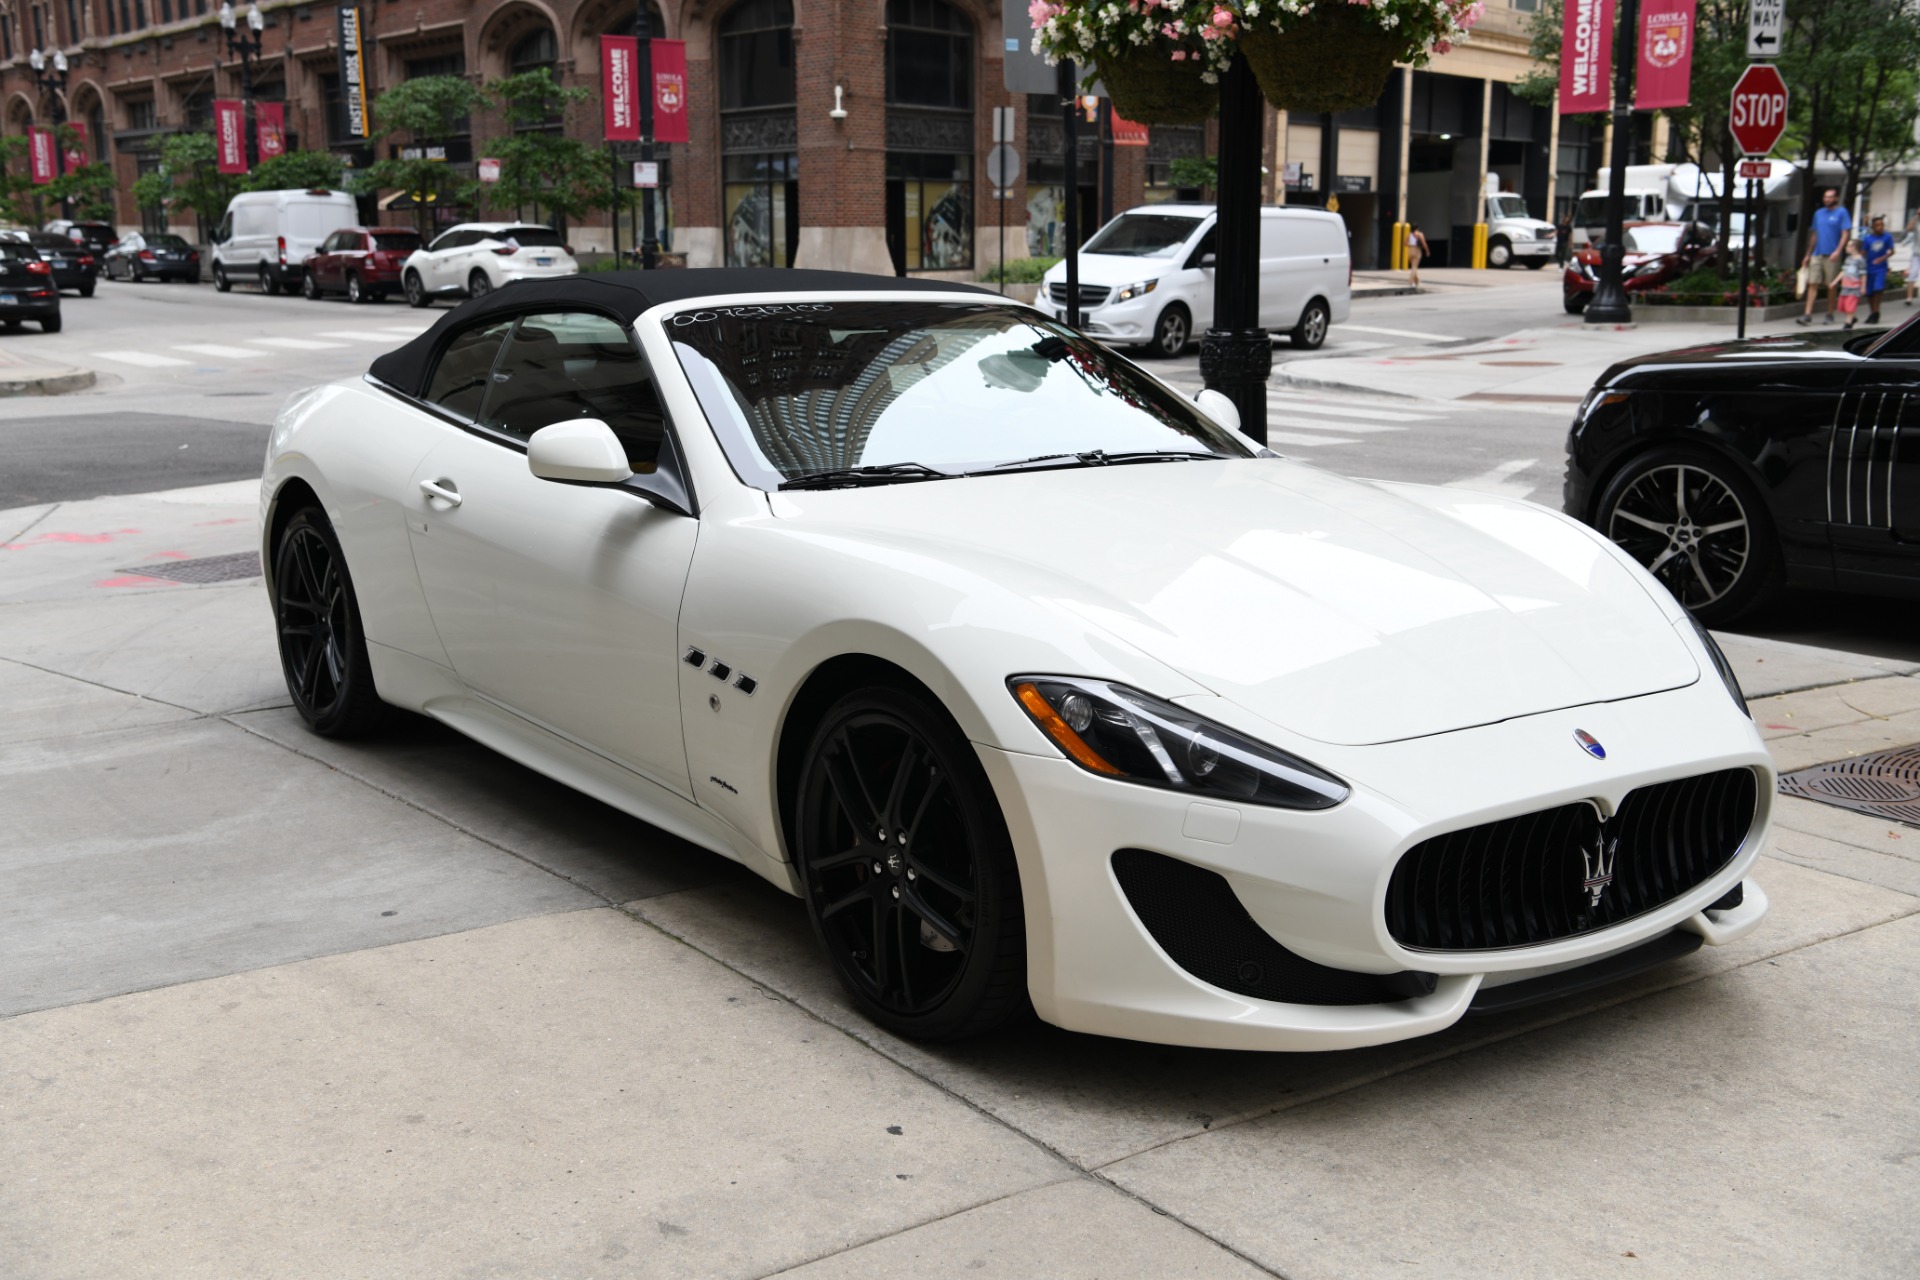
[475, 258]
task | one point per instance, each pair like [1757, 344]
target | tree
[540, 166]
[293, 170]
[188, 178]
[432, 109]
[17, 192]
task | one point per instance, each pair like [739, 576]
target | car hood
[1787, 346]
[1345, 611]
[1113, 270]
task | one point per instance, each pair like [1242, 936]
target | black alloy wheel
[86, 290]
[1576, 303]
[310, 288]
[1171, 332]
[416, 291]
[355, 294]
[1699, 527]
[1313, 326]
[478, 286]
[323, 652]
[908, 870]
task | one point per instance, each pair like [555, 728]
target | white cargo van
[1146, 278]
[266, 235]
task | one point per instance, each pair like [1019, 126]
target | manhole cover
[1885, 784]
[241, 564]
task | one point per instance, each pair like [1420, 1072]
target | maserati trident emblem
[1599, 864]
[1590, 744]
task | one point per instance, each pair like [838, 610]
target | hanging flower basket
[1147, 86]
[1331, 58]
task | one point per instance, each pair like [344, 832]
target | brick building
[894, 179]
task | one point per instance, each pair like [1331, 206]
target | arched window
[534, 52]
[756, 55]
[929, 55]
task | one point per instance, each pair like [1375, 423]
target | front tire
[1171, 332]
[50, 325]
[907, 868]
[269, 286]
[220, 280]
[310, 288]
[478, 285]
[1311, 331]
[1576, 303]
[323, 651]
[355, 294]
[1699, 526]
[1499, 254]
[416, 291]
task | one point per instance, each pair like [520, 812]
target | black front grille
[1194, 916]
[1091, 295]
[1532, 879]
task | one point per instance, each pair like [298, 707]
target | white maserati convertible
[1038, 683]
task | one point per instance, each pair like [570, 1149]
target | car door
[559, 602]
[1283, 273]
[433, 263]
[1873, 476]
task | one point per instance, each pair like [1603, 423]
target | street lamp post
[247, 49]
[1609, 305]
[1236, 354]
[649, 233]
[51, 75]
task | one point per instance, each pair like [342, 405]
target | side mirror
[582, 449]
[1216, 406]
[1206, 262]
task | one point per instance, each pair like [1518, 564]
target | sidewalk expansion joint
[97, 684]
[32, 524]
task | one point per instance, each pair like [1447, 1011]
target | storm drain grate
[241, 564]
[1885, 784]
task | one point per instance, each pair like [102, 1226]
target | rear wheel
[50, 325]
[478, 286]
[86, 290]
[1171, 332]
[907, 868]
[1313, 326]
[1576, 303]
[416, 291]
[269, 284]
[1499, 254]
[220, 280]
[1698, 526]
[323, 652]
[354, 293]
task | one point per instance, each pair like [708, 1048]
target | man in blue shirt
[1832, 227]
[1878, 244]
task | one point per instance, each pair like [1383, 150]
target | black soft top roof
[625, 294]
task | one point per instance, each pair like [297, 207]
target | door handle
[442, 489]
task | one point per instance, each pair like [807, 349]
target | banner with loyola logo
[670, 91]
[41, 155]
[1666, 55]
[1586, 56]
[271, 126]
[619, 86]
[75, 156]
[229, 136]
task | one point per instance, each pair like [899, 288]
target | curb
[56, 381]
[1281, 377]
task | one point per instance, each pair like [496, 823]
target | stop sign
[1759, 113]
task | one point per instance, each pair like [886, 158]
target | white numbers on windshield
[768, 310]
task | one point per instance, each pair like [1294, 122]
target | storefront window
[758, 197]
[936, 193]
[929, 216]
[756, 55]
[760, 174]
[929, 55]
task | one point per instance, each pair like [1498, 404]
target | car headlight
[1140, 290]
[1121, 733]
[1720, 664]
[1520, 233]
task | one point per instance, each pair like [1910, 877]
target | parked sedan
[361, 262]
[27, 291]
[152, 256]
[96, 237]
[475, 258]
[1034, 681]
[72, 263]
[1657, 253]
[1734, 470]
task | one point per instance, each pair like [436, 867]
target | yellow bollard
[1479, 246]
[1397, 252]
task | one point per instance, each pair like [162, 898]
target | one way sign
[1766, 19]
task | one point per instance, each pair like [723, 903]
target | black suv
[72, 263]
[95, 237]
[27, 291]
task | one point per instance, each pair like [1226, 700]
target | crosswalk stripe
[1347, 411]
[406, 330]
[1305, 441]
[1400, 333]
[215, 349]
[1310, 424]
[297, 344]
[143, 359]
[1343, 345]
[362, 335]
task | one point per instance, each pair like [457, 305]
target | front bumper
[1129, 321]
[1531, 248]
[1316, 882]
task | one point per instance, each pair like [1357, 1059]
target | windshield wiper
[879, 473]
[1098, 458]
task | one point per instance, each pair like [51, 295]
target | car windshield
[396, 241]
[928, 388]
[531, 237]
[14, 251]
[1507, 206]
[1143, 235]
[166, 242]
[1652, 239]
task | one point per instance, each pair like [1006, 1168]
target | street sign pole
[1746, 260]
[1070, 167]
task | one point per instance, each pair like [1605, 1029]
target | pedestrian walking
[1878, 244]
[1417, 249]
[1563, 239]
[1853, 281]
[1832, 228]
[1913, 253]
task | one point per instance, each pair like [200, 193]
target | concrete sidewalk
[24, 375]
[276, 1006]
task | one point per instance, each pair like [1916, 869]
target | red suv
[361, 262]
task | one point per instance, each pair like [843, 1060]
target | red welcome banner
[229, 136]
[41, 155]
[619, 87]
[75, 156]
[1586, 56]
[271, 126]
[1666, 55]
[670, 91]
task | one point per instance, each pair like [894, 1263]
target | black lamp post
[649, 234]
[51, 75]
[247, 49]
[1609, 305]
[1236, 354]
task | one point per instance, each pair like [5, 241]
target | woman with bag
[1416, 250]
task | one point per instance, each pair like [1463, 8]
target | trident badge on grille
[1599, 864]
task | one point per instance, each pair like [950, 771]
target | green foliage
[1195, 171]
[541, 168]
[188, 178]
[1018, 271]
[1706, 287]
[294, 170]
[1855, 94]
[431, 109]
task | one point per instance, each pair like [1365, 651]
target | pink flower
[1222, 18]
[1443, 46]
[1473, 13]
[1039, 11]
[1179, 55]
[1170, 31]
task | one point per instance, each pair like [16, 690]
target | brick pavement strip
[237, 1063]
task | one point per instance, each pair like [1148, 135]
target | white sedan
[1037, 684]
[475, 258]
